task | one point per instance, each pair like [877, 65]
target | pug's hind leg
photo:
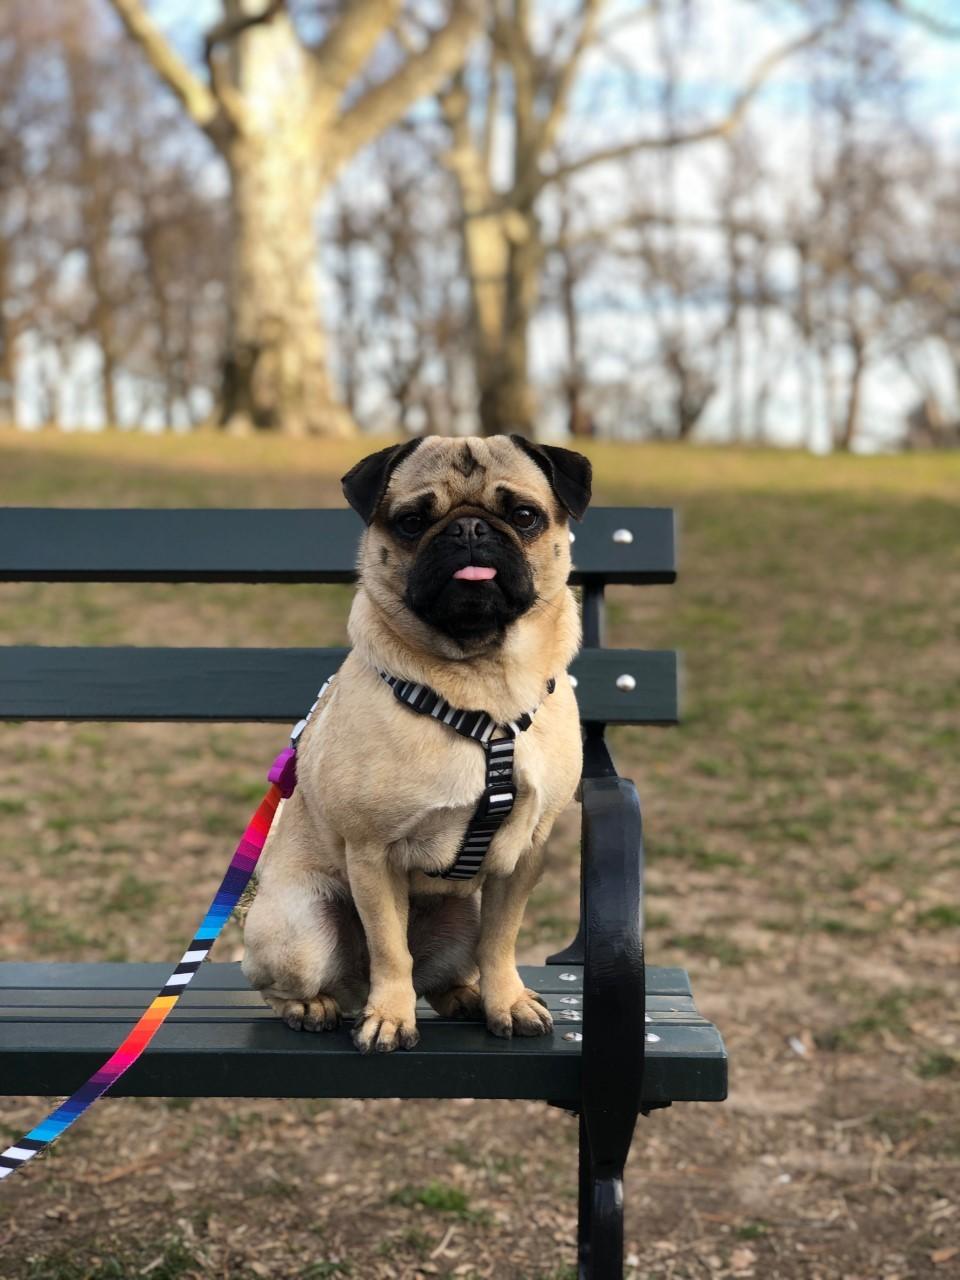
[303, 947]
[457, 1002]
[297, 956]
[319, 1013]
[443, 935]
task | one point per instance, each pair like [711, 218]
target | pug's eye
[410, 525]
[526, 519]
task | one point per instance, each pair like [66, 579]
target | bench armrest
[613, 979]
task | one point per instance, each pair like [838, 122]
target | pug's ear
[569, 473]
[365, 484]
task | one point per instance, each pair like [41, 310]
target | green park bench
[627, 1038]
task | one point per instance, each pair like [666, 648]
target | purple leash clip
[283, 772]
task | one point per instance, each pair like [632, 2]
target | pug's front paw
[527, 1016]
[379, 1030]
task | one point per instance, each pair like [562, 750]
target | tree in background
[286, 115]
[11, 169]
[770, 269]
[530, 78]
[111, 231]
[398, 310]
[602, 223]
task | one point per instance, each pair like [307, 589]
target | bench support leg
[600, 1214]
[612, 1058]
[584, 1203]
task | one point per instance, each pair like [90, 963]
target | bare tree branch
[563, 83]
[199, 102]
[705, 133]
[491, 107]
[939, 26]
[345, 50]
[385, 103]
[464, 158]
[228, 29]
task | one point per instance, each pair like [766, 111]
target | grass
[943, 916]
[937, 1064]
[753, 1230]
[801, 845]
[438, 1198]
[173, 1262]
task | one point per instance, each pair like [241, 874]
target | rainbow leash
[283, 780]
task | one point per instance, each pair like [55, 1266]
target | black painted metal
[41, 683]
[39, 544]
[596, 764]
[613, 1015]
[592, 613]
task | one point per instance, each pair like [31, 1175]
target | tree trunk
[103, 330]
[851, 417]
[276, 373]
[579, 420]
[504, 262]
[8, 373]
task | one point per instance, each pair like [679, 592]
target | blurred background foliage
[680, 219]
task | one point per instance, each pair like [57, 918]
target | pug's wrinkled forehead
[492, 474]
[442, 475]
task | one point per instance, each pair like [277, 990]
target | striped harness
[499, 793]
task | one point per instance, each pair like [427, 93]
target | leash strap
[499, 793]
[283, 780]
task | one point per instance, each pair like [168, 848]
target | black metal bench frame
[59, 1021]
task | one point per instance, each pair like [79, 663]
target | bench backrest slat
[40, 544]
[208, 684]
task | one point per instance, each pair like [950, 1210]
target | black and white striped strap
[499, 794]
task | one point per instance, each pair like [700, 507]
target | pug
[463, 602]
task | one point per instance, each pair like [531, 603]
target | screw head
[626, 683]
[572, 1035]
[651, 1037]
[569, 999]
[571, 1015]
[622, 535]
[573, 536]
[568, 977]
[573, 682]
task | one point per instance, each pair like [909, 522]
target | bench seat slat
[41, 544]
[145, 978]
[256, 1010]
[252, 1054]
[209, 684]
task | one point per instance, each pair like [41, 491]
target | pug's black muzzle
[464, 610]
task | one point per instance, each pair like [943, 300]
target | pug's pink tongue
[475, 573]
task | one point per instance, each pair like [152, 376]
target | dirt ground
[803, 865]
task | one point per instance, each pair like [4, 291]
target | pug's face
[466, 535]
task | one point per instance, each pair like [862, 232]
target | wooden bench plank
[208, 684]
[41, 544]
[255, 1055]
[660, 1009]
[147, 976]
